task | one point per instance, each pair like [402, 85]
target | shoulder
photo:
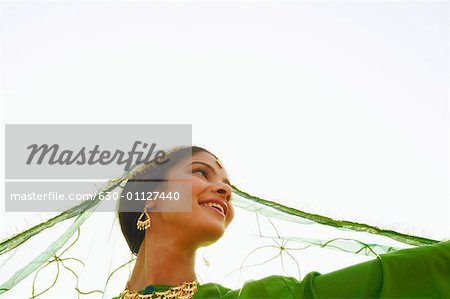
[274, 286]
[277, 286]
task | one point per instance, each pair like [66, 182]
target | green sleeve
[420, 272]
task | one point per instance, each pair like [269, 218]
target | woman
[166, 242]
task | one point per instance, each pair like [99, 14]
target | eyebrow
[226, 181]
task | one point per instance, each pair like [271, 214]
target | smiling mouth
[215, 209]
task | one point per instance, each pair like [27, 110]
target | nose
[224, 190]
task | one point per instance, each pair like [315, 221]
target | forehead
[211, 160]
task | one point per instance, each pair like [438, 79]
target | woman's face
[210, 186]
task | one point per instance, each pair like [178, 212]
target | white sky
[339, 108]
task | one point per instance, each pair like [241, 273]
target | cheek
[191, 189]
[197, 188]
[230, 215]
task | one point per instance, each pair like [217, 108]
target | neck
[162, 260]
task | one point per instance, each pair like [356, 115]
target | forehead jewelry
[220, 163]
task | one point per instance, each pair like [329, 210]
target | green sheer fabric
[421, 272]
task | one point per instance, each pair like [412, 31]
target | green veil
[80, 253]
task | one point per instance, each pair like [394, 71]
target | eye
[202, 171]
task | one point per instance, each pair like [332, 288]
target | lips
[217, 204]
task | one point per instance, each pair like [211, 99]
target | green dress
[419, 272]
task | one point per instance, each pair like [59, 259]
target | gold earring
[143, 225]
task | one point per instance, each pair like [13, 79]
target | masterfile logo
[68, 157]
[85, 151]
[58, 166]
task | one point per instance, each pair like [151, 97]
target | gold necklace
[184, 291]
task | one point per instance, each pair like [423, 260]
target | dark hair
[133, 236]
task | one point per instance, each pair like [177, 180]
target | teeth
[213, 204]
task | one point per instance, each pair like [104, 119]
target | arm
[419, 272]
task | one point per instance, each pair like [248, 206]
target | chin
[212, 234]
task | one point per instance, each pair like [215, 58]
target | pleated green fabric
[419, 272]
